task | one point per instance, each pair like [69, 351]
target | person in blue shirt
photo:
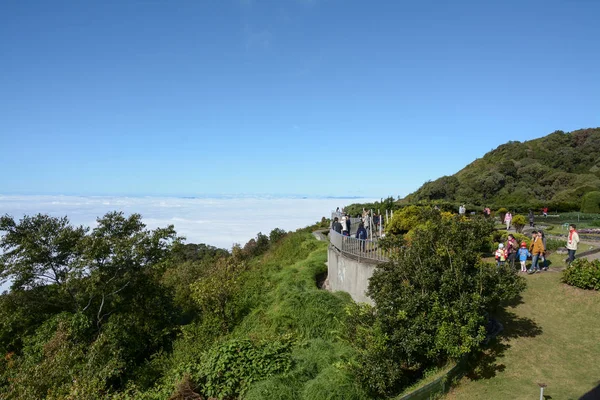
[523, 254]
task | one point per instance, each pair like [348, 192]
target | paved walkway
[595, 256]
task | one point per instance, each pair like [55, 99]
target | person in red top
[511, 248]
[545, 211]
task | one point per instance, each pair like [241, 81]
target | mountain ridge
[556, 171]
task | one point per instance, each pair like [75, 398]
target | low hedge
[583, 273]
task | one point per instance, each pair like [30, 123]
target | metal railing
[362, 249]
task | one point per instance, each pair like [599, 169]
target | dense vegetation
[121, 312]
[432, 299]
[583, 273]
[555, 171]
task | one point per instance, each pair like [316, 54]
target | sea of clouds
[217, 221]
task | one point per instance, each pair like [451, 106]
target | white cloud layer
[218, 222]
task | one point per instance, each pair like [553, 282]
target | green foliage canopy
[553, 171]
[102, 309]
[431, 301]
[590, 203]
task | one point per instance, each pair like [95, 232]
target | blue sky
[315, 97]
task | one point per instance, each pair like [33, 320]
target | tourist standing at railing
[367, 221]
[336, 226]
[345, 226]
[361, 234]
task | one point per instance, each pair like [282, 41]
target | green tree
[590, 203]
[216, 293]
[432, 298]
[276, 234]
[39, 251]
[119, 254]
[519, 222]
[443, 188]
[103, 310]
[501, 212]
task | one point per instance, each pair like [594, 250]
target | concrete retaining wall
[348, 275]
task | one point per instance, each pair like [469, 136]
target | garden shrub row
[584, 274]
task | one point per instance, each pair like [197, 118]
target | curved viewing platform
[352, 261]
[361, 250]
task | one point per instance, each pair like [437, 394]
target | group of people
[343, 225]
[537, 251]
[508, 217]
[512, 249]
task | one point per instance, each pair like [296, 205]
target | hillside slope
[555, 171]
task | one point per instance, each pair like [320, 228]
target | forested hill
[555, 171]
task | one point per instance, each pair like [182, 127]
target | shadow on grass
[546, 264]
[593, 394]
[484, 365]
[515, 301]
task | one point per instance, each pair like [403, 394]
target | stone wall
[349, 275]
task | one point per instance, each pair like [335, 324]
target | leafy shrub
[590, 203]
[409, 218]
[231, 367]
[374, 368]
[584, 274]
[216, 294]
[553, 244]
[519, 222]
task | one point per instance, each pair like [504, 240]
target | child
[523, 254]
[500, 255]
[508, 219]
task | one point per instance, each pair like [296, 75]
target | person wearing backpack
[500, 255]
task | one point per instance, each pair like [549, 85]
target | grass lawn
[551, 336]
